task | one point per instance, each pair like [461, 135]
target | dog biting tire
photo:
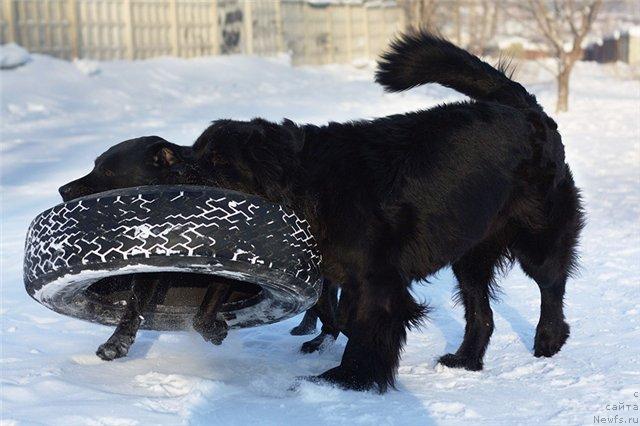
[75, 252]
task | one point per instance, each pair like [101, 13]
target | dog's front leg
[382, 308]
[143, 289]
[206, 321]
[308, 323]
[326, 310]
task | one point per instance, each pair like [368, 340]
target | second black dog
[149, 161]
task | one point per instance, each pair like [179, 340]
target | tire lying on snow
[77, 253]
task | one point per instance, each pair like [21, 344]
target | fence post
[403, 19]
[305, 34]
[173, 12]
[12, 35]
[279, 32]
[72, 19]
[128, 29]
[367, 41]
[215, 29]
[45, 32]
[248, 27]
[349, 34]
[329, 24]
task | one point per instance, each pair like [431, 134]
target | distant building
[629, 46]
[621, 46]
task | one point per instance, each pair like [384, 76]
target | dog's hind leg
[547, 255]
[552, 331]
[475, 274]
[308, 323]
[326, 309]
[143, 289]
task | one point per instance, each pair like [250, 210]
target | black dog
[148, 161]
[152, 160]
[475, 185]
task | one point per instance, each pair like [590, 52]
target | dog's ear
[164, 157]
[292, 134]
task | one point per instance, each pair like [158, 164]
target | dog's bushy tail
[418, 58]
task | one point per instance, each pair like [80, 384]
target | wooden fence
[338, 32]
[138, 29]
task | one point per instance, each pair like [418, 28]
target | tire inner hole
[176, 290]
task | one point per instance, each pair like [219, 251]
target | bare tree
[563, 26]
[469, 23]
[419, 13]
[483, 24]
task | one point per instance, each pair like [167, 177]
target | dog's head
[149, 160]
[255, 157]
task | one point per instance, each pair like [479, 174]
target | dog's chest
[339, 264]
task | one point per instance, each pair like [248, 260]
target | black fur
[148, 160]
[325, 310]
[418, 58]
[395, 199]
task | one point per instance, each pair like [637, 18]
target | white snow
[12, 56]
[87, 66]
[56, 119]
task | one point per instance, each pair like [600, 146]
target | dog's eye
[108, 173]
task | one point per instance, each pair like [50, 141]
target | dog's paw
[550, 338]
[458, 361]
[211, 331]
[111, 350]
[317, 343]
[297, 382]
[303, 330]
[344, 379]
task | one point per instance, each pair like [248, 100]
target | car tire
[79, 254]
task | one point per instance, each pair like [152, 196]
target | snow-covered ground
[57, 116]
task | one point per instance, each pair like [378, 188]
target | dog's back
[419, 58]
